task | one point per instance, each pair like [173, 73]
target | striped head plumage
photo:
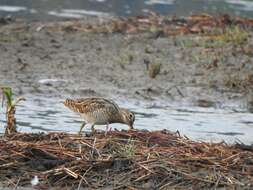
[128, 117]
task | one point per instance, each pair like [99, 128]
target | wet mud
[36, 59]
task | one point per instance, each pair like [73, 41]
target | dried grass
[159, 25]
[124, 160]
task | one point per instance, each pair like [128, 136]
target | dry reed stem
[120, 160]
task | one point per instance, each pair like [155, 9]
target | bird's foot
[131, 129]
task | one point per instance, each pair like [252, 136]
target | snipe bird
[100, 111]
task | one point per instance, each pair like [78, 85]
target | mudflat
[209, 65]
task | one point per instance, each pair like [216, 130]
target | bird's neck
[121, 117]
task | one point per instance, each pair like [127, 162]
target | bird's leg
[93, 130]
[82, 126]
[106, 128]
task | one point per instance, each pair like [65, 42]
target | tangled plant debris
[124, 159]
[165, 26]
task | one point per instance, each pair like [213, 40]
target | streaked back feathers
[85, 105]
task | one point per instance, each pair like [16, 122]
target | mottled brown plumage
[100, 111]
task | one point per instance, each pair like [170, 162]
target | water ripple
[43, 114]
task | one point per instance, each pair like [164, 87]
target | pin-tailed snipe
[100, 111]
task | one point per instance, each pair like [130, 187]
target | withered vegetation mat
[160, 25]
[124, 160]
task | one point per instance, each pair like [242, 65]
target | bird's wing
[90, 105]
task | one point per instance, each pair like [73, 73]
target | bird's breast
[98, 118]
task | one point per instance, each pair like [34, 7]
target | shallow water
[44, 114]
[53, 9]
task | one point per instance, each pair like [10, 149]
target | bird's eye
[131, 116]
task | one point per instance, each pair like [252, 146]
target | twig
[15, 187]
[71, 173]
[93, 147]
[83, 178]
[144, 167]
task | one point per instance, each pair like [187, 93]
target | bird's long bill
[131, 126]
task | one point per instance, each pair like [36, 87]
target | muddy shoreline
[38, 58]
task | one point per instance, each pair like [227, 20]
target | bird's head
[127, 117]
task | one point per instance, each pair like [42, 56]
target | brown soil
[209, 64]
